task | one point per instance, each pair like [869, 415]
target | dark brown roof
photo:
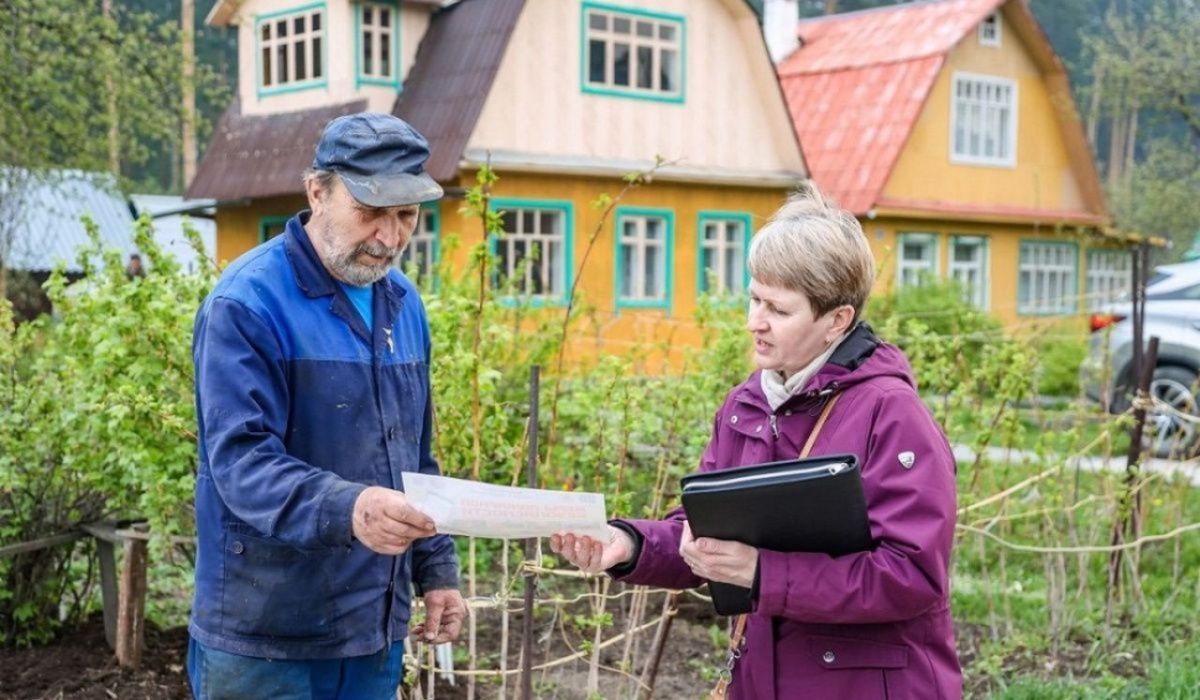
[452, 76]
[262, 155]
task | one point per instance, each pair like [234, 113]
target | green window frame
[910, 271]
[636, 220]
[271, 226]
[633, 53]
[1047, 278]
[370, 53]
[280, 59]
[527, 219]
[423, 251]
[716, 252]
[973, 275]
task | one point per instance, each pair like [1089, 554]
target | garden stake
[530, 544]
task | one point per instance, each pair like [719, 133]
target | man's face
[357, 243]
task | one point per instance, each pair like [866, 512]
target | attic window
[290, 53]
[632, 52]
[989, 30]
[377, 43]
[983, 120]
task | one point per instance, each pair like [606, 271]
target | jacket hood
[861, 357]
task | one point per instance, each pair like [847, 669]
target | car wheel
[1170, 432]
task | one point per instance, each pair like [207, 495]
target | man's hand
[723, 561]
[592, 555]
[385, 522]
[445, 611]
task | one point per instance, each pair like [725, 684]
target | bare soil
[80, 666]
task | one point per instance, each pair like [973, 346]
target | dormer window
[989, 30]
[291, 49]
[632, 52]
[378, 44]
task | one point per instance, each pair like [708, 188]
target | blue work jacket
[300, 408]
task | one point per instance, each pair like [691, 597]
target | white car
[1172, 314]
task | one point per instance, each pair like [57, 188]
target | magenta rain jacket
[862, 626]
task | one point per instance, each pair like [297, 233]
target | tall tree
[1145, 63]
[73, 71]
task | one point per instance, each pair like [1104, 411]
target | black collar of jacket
[312, 277]
[858, 346]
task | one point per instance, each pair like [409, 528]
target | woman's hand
[592, 555]
[723, 561]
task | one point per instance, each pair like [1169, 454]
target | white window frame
[1047, 277]
[421, 251]
[375, 39]
[552, 257]
[727, 252]
[989, 30]
[658, 25]
[1109, 275]
[978, 292]
[981, 100]
[908, 272]
[310, 43]
[641, 245]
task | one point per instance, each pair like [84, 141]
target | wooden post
[530, 544]
[650, 674]
[105, 533]
[108, 590]
[131, 611]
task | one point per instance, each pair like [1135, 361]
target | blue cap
[380, 159]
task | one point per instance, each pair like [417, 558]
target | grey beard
[345, 265]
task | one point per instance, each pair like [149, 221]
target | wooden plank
[105, 531]
[131, 618]
[51, 541]
[108, 590]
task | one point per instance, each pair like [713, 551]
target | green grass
[1146, 648]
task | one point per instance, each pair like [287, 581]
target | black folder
[814, 504]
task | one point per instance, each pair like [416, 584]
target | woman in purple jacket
[861, 626]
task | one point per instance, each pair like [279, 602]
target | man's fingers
[433, 617]
[404, 512]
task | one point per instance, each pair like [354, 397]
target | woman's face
[786, 336]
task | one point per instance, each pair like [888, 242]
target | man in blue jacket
[313, 400]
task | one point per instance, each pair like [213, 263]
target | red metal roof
[858, 83]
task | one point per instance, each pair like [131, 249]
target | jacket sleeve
[911, 513]
[658, 562]
[435, 563]
[242, 400]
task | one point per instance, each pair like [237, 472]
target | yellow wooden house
[949, 129]
[563, 98]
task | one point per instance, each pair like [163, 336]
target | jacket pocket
[836, 653]
[867, 669]
[273, 589]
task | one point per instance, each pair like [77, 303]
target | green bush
[97, 420]
[1058, 365]
[942, 309]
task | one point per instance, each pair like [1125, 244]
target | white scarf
[778, 390]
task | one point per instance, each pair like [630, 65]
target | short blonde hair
[812, 247]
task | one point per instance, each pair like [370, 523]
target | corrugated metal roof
[168, 230]
[45, 210]
[262, 155]
[452, 76]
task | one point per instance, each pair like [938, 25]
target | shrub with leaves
[97, 420]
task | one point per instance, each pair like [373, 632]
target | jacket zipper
[774, 426]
